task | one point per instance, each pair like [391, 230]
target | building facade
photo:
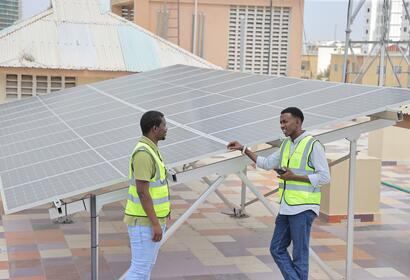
[316, 58]
[398, 26]
[75, 43]
[273, 30]
[10, 12]
[371, 76]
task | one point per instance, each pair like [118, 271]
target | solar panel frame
[204, 109]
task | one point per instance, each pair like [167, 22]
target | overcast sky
[324, 19]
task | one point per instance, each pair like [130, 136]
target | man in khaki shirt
[148, 205]
[144, 172]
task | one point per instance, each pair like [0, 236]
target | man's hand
[287, 176]
[156, 233]
[290, 176]
[235, 146]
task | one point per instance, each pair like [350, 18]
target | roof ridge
[14, 28]
[162, 40]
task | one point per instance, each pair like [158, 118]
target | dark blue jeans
[295, 229]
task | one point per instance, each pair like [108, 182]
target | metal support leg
[169, 232]
[329, 271]
[243, 192]
[219, 194]
[191, 209]
[253, 189]
[94, 237]
[350, 217]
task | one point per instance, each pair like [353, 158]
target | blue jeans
[295, 229]
[144, 252]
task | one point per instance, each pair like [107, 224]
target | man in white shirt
[302, 168]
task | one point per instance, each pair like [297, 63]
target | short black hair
[150, 119]
[295, 112]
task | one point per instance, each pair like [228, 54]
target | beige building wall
[371, 77]
[309, 66]
[216, 26]
[390, 144]
[82, 77]
[367, 196]
[2, 87]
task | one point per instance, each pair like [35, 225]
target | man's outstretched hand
[235, 146]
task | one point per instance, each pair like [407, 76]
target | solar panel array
[80, 139]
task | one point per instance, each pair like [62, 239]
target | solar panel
[80, 139]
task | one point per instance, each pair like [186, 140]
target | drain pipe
[395, 187]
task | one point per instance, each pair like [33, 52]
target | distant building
[371, 77]
[274, 34]
[398, 24]
[75, 43]
[317, 57]
[10, 12]
[308, 69]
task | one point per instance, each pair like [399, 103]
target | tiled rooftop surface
[210, 245]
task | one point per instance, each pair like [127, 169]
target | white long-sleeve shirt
[321, 176]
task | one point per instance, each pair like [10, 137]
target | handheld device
[280, 171]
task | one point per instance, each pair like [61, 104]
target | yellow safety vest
[158, 187]
[296, 192]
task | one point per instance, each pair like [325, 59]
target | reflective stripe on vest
[158, 186]
[154, 201]
[294, 187]
[297, 192]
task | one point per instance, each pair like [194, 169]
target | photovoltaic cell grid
[80, 139]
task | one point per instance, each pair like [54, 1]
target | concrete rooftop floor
[210, 245]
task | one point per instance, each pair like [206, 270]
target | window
[41, 83]
[397, 69]
[26, 86]
[260, 29]
[336, 67]
[56, 83]
[378, 70]
[305, 65]
[127, 13]
[11, 86]
[22, 86]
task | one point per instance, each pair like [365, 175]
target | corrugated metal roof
[78, 34]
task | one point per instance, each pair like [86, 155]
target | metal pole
[219, 194]
[385, 23]
[191, 209]
[381, 65]
[392, 68]
[243, 192]
[195, 27]
[408, 65]
[408, 46]
[361, 72]
[350, 217]
[356, 11]
[243, 43]
[347, 40]
[94, 237]
[262, 199]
